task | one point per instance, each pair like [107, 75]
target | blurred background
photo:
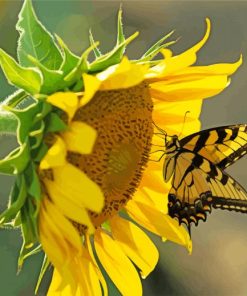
[218, 264]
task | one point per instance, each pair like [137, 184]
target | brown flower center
[123, 120]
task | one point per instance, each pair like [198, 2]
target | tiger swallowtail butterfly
[196, 165]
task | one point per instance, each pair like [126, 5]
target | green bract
[45, 66]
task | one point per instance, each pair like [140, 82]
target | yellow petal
[216, 69]
[66, 101]
[117, 265]
[67, 206]
[185, 114]
[57, 286]
[155, 182]
[190, 90]
[55, 156]
[80, 137]
[172, 64]
[51, 235]
[159, 223]
[92, 85]
[88, 282]
[160, 200]
[76, 185]
[123, 75]
[135, 244]
[53, 245]
[85, 277]
[64, 226]
[100, 276]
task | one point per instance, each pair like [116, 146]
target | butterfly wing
[198, 185]
[222, 146]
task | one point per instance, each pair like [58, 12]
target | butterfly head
[171, 143]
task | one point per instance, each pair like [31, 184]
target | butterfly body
[195, 165]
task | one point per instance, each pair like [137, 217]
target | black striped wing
[198, 185]
[222, 146]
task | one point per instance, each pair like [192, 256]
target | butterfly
[195, 165]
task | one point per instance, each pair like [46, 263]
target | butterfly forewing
[222, 146]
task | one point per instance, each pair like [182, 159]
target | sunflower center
[123, 120]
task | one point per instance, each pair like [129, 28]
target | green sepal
[17, 221]
[16, 161]
[52, 79]
[43, 269]
[37, 135]
[29, 223]
[46, 108]
[28, 116]
[120, 40]
[25, 253]
[55, 124]
[96, 50]
[82, 66]
[70, 60]
[14, 99]
[78, 87]
[17, 199]
[35, 40]
[8, 122]
[28, 79]
[106, 225]
[120, 35]
[33, 183]
[112, 58]
[155, 49]
[39, 153]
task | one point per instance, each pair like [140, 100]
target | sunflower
[91, 148]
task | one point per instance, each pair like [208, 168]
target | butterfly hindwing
[190, 196]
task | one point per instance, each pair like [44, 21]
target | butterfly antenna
[160, 129]
[183, 123]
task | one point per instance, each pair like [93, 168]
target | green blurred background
[218, 264]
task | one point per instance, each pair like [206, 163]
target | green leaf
[28, 79]
[96, 50]
[17, 200]
[112, 58]
[35, 40]
[16, 161]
